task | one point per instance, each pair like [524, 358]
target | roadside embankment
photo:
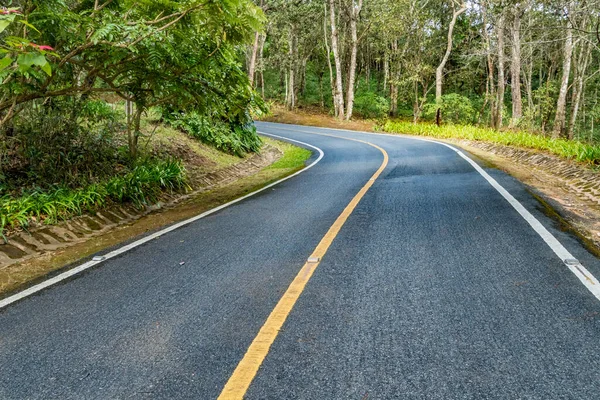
[215, 179]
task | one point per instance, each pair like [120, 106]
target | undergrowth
[233, 138]
[141, 186]
[568, 149]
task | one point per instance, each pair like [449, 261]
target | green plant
[65, 142]
[141, 186]
[568, 149]
[371, 105]
[233, 138]
[455, 108]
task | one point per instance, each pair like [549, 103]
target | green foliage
[22, 57]
[180, 54]
[545, 98]
[65, 142]
[371, 105]
[233, 138]
[568, 149]
[145, 182]
[141, 186]
[455, 108]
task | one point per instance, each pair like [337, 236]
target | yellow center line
[246, 370]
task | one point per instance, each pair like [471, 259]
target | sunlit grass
[569, 149]
[293, 157]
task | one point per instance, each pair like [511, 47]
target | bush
[145, 182]
[371, 105]
[233, 138]
[67, 142]
[455, 108]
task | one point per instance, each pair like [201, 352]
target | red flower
[41, 47]
[10, 11]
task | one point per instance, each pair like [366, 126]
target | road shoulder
[281, 160]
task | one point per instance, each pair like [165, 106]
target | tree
[440, 69]
[339, 94]
[354, 12]
[176, 54]
[515, 66]
[559, 120]
[408, 53]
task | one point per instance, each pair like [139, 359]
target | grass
[140, 186]
[293, 157]
[568, 149]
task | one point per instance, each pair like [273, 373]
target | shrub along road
[435, 287]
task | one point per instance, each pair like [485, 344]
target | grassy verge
[142, 185]
[293, 157]
[567, 149]
[16, 276]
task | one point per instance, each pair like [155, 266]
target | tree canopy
[180, 54]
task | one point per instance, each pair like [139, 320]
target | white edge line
[67, 274]
[586, 277]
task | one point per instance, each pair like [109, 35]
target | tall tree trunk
[252, 65]
[328, 50]
[440, 69]
[386, 70]
[302, 85]
[393, 81]
[490, 86]
[339, 96]
[501, 81]
[515, 67]
[578, 88]
[261, 63]
[561, 104]
[291, 97]
[133, 130]
[530, 60]
[393, 99]
[354, 14]
[255, 49]
[287, 89]
[528, 82]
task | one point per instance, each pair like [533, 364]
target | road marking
[590, 282]
[585, 276]
[100, 259]
[246, 370]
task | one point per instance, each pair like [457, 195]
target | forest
[529, 65]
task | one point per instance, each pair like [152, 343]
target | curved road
[434, 288]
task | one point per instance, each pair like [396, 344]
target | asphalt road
[435, 288]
